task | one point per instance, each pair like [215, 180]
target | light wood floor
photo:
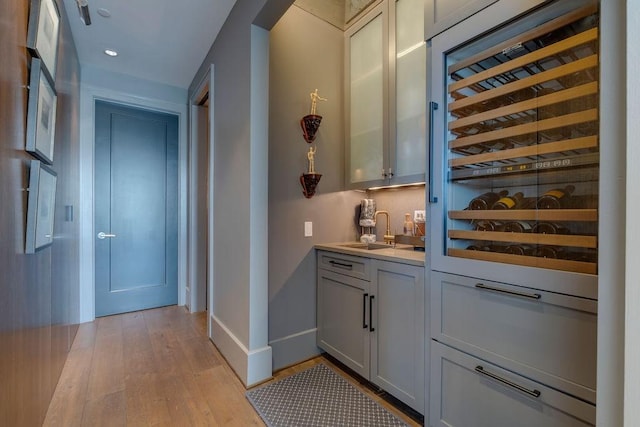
[156, 367]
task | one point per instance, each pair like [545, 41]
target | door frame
[88, 96]
[195, 298]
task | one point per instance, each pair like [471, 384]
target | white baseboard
[251, 366]
[294, 348]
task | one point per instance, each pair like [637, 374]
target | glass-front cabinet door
[516, 127]
[385, 88]
[366, 77]
[409, 89]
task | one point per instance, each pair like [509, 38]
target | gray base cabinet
[467, 391]
[545, 336]
[342, 325]
[397, 343]
[371, 318]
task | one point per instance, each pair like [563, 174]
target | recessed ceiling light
[110, 52]
[104, 12]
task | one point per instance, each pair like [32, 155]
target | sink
[366, 246]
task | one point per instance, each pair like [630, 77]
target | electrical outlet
[308, 229]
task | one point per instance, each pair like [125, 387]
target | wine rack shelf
[569, 240]
[528, 261]
[583, 215]
[522, 115]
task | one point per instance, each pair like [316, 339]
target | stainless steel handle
[484, 287]
[341, 265]
[433, 106]
[535, 393]
[103, 235]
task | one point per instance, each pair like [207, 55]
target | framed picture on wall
[44, 30]
[41, 114]
[40, 207]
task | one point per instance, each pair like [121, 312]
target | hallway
[154, 367]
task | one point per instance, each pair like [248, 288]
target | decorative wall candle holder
[310, 124]
[309, 182]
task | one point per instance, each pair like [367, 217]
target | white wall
[97, 84]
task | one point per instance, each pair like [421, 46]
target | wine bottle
[478, 248]
[557, 198]
[486, 225]
[519, 250]
[586, 201]
[509, 202]
[517, 227]
[555, 252]
[486, 200]
[549, 228]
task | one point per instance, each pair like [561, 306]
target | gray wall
[305, 53]
[38, 292]
[240, 186]
[396, 201]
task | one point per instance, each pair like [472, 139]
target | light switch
[308, 229]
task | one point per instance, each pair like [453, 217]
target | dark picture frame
[44, 32]
[40, 207]
[41, 114]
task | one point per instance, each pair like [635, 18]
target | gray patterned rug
[318, 397]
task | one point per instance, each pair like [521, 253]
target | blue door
[136, 209]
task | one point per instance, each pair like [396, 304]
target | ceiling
[159, 40]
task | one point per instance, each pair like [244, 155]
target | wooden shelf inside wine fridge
[557, 147]
[528, 261]
[566, 240]
[583, 215]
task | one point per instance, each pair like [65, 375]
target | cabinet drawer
[545, 336]
[467, 391]
[345, 264]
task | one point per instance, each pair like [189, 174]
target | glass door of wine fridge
[515, 150]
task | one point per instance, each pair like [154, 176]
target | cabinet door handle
[433, 106]
[484, 287]
[535, 393]
[371, 328]
[364, 311]
[341, 265]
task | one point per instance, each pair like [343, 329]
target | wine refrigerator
[514, 150]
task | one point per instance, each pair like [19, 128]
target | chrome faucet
[388, 237]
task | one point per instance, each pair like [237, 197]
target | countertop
[401, 253]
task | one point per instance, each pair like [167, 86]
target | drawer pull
[341, 265]
[507, 291]
[371, 328]
[534, 393]
[364, 311]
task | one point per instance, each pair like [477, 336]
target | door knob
[103, 235]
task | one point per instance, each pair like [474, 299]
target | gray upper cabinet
[442, 14]
[385, 80]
